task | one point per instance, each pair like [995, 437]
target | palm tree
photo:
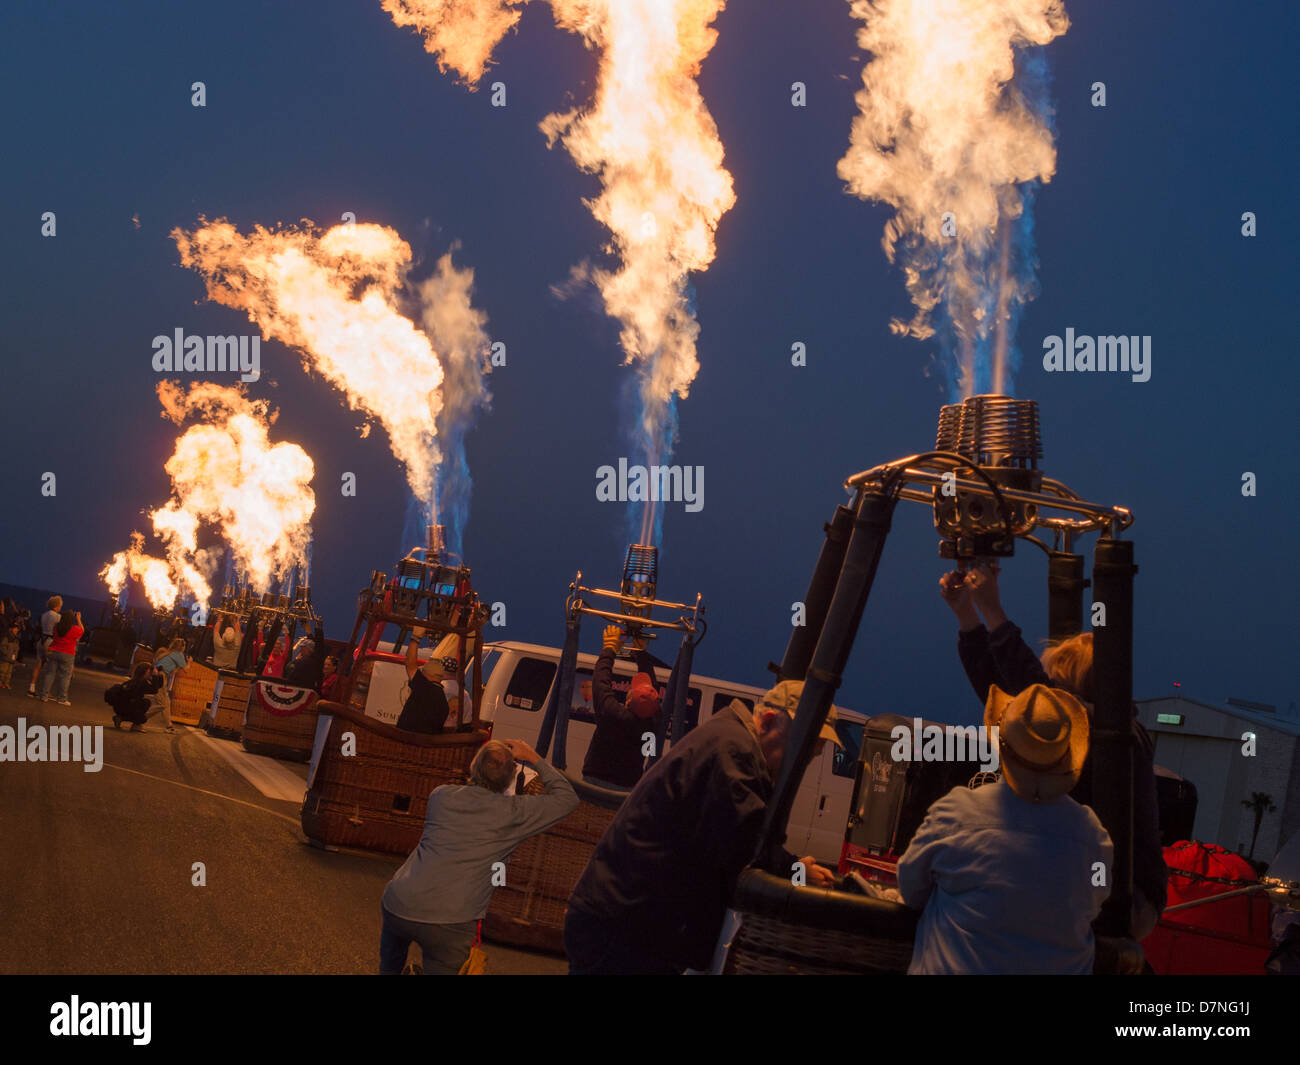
[1261, 803]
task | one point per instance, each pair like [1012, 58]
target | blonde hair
[55, 602]
[493, 767]
[1068, 664]
[177, 644]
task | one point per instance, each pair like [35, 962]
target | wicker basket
[141, 654]
[191, 693]
[375, 799]
[798, 930]
[278, 723]
[229, 704]
[528, 910]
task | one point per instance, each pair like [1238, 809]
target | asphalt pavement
[98, 869]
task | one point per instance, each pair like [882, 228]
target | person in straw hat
[1011, 875]
[993, 651]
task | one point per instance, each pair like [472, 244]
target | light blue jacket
[1007, 886]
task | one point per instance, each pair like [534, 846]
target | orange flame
[227, 474]
[938, 134]
[154, 574]
[651, 141]
[337, 297]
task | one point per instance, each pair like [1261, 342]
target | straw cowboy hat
[1043, 735]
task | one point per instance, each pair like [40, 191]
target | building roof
[1279, 722]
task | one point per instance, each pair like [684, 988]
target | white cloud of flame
[942, 130]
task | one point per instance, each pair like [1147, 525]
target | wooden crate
[528, 910]
[376, 798]
[229, 704]
[278, 723]
[191, 692]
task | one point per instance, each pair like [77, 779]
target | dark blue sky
[319, 108]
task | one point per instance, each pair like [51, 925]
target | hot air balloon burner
[999, 438]
[437, 541]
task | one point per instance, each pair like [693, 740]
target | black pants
[595, 949]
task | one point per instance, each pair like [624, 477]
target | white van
[518, 686]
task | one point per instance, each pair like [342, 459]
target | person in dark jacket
[653, 896]
[307, 667]
[993, 652]
[426, 708]
[616, 755]
[132, 703]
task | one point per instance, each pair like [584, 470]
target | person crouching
[1012, 874]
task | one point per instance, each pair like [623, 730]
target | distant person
[53, 612]
[583, 706]
[653, 897]
[225, 647]
[168, 665]
[134, 697]
[10, 645]
[61, 657]
[275, 662]
[445, 886]
[306, 669]
[615, 756]
[1005, 873]
[426, 707]
[329, 687]
[994, 653]
[166, 631]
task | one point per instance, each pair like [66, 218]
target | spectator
[444, 887]
[1006, 873]
[329, 686]
[654, 894]
[426, 707]
[307, 668]
[168, 665]
[49, 620]
[9, 647]
[276, 660]
[993, 653]
[615, 757]
[61, 657]
[133, 698]
[225, 648]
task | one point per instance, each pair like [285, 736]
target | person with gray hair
[443, 889]
[654, 894]
[53, 612]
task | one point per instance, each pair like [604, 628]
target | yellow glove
[612, 639]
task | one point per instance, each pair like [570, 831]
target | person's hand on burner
[983, 584]
[956, 593]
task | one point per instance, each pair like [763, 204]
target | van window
[488, 661]
[692, 713]
[529, 684]
[846, 760]
[581, 709]
[721, 700]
